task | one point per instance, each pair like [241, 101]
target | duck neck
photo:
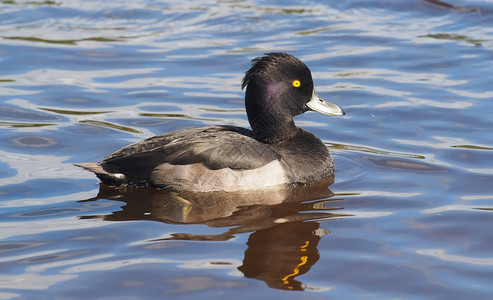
[270, 129]
[270, 119]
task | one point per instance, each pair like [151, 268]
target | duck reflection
[285, 223]
[278, 254]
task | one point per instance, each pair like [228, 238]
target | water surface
[407, 216]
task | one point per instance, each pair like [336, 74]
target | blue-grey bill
[319, 105]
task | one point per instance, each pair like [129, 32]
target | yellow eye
[296, 83]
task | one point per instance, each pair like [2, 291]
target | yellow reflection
[296, 270]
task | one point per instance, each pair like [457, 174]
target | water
[408, 215]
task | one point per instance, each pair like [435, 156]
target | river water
[409, 212]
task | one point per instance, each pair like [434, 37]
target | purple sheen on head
[271, 90]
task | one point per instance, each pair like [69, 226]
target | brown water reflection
[284, 223]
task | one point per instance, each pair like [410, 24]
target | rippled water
[409, 213]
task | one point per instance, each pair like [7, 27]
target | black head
[278, 81]
[279, 87]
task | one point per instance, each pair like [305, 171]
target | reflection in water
[454, 7]
[280, 253]
[285, 223]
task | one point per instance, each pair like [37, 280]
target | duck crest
[261, 65]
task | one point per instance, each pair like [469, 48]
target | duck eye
[296, 83]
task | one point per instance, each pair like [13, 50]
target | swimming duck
[274, 153]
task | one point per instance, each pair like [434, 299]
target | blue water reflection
[405, 217]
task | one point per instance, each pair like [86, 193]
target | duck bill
[319, 105]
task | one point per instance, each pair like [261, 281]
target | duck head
[278, 87]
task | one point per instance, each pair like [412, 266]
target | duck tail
[115, 179]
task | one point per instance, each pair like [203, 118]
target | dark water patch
[372, 150]
[45, 213]
[19, 114]
[222, 110]
[41, 188]
[70, 97]
[110, 125]
[65, 42]
[16, 247]
[469, 158]
[50, 258]
[473, 147]
[158, 108]
[35, 3]
[404, 165]
[147, 123]
[454, 37]
[452, 6]
[34, 141]
[180, 116]
[24, 125]
[72, 112]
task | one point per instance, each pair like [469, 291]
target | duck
[274, 153]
